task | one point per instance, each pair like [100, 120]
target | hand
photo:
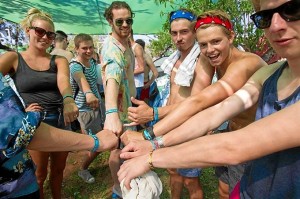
[136, 148]
[147, 85]
[113, 123]
[34, 107]
[129, 135]
[70, 112]
[108, 140]
[133, 168]
[92, 101]
[141, 114]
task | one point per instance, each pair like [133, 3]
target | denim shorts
[190, 173]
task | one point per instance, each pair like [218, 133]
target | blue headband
[182, 14]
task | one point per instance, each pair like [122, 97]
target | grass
[75, 188]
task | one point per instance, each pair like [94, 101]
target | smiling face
[85, 50]
[40, 42]
[123, 31]
[214, 44]
[182, 34]
[283, 36]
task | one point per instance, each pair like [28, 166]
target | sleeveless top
[138, 78]
[276, 175]
[38, 86]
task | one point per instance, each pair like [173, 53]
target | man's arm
[152, 67]
[139, 55]
[258, 139]
[235, 77]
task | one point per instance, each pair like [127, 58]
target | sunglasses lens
[51, 35]
[291, 12]
[39, 31]
[129, 21]
[119, 22]
[262, 20]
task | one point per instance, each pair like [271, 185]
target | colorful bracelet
[150, 131]
[155, 113]
[96, 142]
[160, 141]
[66, 96]
[150, 160]
[146, 135]
[112, 110]
[88, 92]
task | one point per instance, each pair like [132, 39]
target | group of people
[257, 159]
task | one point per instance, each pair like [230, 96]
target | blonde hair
[215, 13]
[35, 14]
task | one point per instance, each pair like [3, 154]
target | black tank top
[38, 86]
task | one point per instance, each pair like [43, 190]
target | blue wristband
[113, 110]
[146, 135]
[66, 96]
[155, 112]
[96, 144]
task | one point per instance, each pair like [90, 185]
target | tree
[247, 35]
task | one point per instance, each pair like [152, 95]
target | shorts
[90, 121]
[190, 173]
[230, 175]
[145, 92]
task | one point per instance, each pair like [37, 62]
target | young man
[117, 62]
[60, 45]
[274, 88]
[83, 79]
[149, 66]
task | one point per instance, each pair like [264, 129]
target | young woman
[43, 83]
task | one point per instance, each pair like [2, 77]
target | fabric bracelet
[96, 142]
[146, 135]
[150, 160]
[66, 96]
[155, 113]
[154, 147]
[160, 141]
[88, 92]
[112, 110]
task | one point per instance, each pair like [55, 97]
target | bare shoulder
[249, 60]
[8, 62]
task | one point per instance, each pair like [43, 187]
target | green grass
[75, 188]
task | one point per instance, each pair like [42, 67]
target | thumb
[136, 101]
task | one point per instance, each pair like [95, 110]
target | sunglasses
[40, 32]
[289, 11]
[119, 22]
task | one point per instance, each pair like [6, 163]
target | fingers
[135, 101]
[131, 124]
[129, 155]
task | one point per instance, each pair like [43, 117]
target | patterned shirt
[115, 63]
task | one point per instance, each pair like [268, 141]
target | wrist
[96, 142]
[67, 96]
[88, 92]
[148, 133]
[112, 110]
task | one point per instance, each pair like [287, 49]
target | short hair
[116, 5]
[215, 13]
[60, 35]
[80, 38]
[141, 42]
[35, 14]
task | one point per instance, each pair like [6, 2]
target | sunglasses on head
[40, 32]
[119, 22]
[289, 11]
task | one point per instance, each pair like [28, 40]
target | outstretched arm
[258, 139]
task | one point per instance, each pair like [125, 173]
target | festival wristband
[112, 110]
[155, 113]
[148, 133]
[66, 96]
[150, 160]
[96, 142]
[88, 92]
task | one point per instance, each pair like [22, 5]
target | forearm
[258, 139]
[48, 138]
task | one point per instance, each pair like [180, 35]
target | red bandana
[213, 20]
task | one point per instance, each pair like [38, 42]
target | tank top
[276, 175]
[38, 86]
[138, 78]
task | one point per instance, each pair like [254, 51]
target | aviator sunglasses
[289, 11]
[119, 22]
[40, 32]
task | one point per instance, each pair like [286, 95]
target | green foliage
[240, 10]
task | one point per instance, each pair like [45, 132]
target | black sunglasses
[40, 32]
[119, 22]
[289, 11]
